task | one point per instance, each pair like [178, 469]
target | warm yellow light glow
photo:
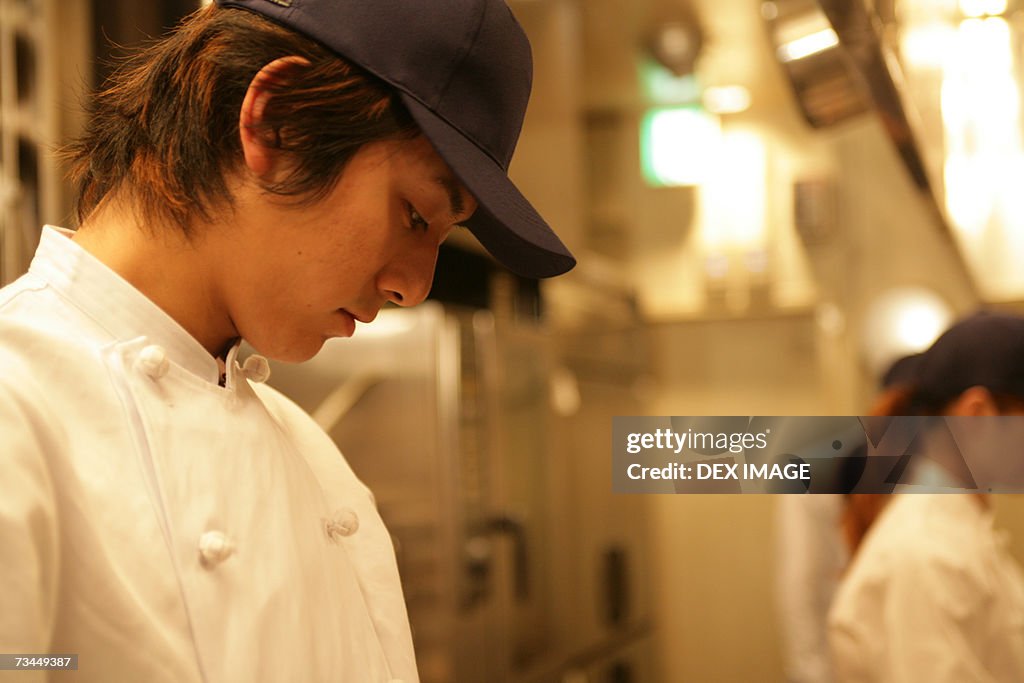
[969, 195]
[918, 326]
[927, 46]
[981, 8]
[900, 322]
[972, 8]
[808, 45]
[916, 12]
[733, 199]
[981, 116]
[728, 99]
[987, 46]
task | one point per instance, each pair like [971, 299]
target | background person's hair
[164, 129]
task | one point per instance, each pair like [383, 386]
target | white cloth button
[344, 523]
[214, 548]
[257, 369]
[153, 361]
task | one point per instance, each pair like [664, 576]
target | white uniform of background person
[161, 526]
[932, 597]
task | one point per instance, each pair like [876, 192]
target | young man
[275, 170]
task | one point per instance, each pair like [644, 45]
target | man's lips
[361, 317]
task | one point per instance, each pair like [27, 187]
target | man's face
[296, 275]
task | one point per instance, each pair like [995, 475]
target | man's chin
[297, 353]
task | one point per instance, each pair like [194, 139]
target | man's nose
[407, 281]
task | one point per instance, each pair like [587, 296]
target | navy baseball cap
[902, 371]
[464, 70]
[984, 349]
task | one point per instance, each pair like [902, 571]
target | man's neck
[173, 271]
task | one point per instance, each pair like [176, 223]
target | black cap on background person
[984, 350]
[901, 371]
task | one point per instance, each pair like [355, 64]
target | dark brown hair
[164, 129]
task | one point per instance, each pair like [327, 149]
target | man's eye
[416, 221]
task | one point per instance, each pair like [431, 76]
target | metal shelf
[39, 40]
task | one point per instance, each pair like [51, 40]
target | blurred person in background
[273, 171]
[931, 594]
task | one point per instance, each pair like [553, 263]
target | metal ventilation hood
[839, 67]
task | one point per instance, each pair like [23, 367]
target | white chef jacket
[163, 527]
[932, 596]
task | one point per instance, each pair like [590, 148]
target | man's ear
[260, 146]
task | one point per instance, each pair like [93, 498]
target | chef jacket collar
[114, 304]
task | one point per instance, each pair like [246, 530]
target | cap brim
[505, 223]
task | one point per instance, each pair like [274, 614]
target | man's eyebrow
[456, 205]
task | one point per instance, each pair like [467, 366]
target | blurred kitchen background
[770, 201]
